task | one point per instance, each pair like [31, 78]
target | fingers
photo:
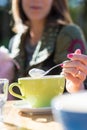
[76, 65]
[74, 80]
[79, 61]
[74, 86]
[78, 51]
[75, 73]
[81, 57]
[75, 70]
[80, 75]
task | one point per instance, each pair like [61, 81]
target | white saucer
[25, 107]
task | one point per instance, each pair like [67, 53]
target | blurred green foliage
[79, 16]
[74, 11]
[5, 28]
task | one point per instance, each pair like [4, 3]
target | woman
[44, 36]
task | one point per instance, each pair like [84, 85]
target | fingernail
[70, 55]
[78, 51]
[61, 65]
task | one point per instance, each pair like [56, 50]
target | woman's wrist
[71, 88]
[82, 87]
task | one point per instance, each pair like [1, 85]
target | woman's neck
[36, 30]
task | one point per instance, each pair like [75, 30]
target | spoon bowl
[35, 72]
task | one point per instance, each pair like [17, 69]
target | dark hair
[59, 12]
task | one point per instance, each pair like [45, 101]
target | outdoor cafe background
[78, 10]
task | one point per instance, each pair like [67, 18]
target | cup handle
[13, 93]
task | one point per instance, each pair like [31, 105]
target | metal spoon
[39, 72]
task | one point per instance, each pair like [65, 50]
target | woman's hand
[75, 71]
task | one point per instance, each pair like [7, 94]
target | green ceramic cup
[39, 91]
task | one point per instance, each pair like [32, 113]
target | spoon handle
[53, 68]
